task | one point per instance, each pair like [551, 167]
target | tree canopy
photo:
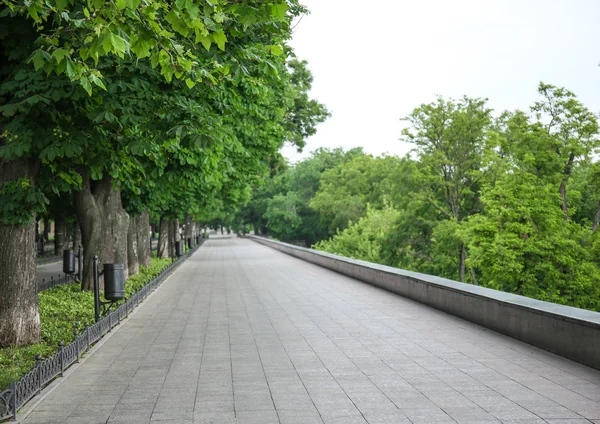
[507, 201]
[169, 110]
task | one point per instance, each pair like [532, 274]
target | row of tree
[113, 113]
[510, 202]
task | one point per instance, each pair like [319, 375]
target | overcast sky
[374, 61]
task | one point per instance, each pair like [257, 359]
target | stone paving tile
[244, 334]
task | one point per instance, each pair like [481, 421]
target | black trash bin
[189, 243]
[114, 281]
[68, 261]
[179, 248]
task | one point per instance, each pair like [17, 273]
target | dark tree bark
[163, 239]
[19, 315]
[173, 235]
[76, 235]
[563, 185]
[461, 265]
[104, 225]
[143, 238]
[60, 228]
[189, 233]
[46, 229]
[133, 264]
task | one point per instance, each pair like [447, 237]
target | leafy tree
[450, 141]
[364, 239]
[229, 66]
[345, 190]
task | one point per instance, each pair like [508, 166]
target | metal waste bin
[68, 261]
[179, 248]
[114, 281]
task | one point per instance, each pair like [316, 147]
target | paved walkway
[244, 334]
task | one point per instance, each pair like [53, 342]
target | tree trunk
[143, 238]
[133, 264]
[46, 230]
[163, 239]
[104, 224]
[563, 184]
[60, 228]
[173, 235]
[19, 315]
[461, 265]
[563, 195]
[171, 226]
[76, 235]
[188, 227]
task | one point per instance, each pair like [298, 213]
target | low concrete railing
[570, 332]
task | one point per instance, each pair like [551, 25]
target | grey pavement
[52, 269]
[241, 333]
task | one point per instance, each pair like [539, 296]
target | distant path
[241, 333]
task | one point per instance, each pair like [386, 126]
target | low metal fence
[46, 259]
[46, 284]
[46, 370]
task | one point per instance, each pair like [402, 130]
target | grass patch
[63, 310]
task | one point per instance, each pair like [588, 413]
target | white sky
[374, 61]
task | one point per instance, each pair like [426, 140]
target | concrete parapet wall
[570, 332]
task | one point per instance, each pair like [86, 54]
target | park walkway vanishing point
[241, 333]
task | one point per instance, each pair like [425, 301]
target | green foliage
[64, 309]
[280, 204]
[177, 37]
[511, 203]
[18, 199]
[346, 189]
[364, 239]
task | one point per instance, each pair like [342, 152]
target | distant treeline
[509, 202]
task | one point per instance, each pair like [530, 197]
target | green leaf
[177, 23]
[141, 48]
[85, 83]
[70, 68]
[118, 44]
[97, 81]
[190, 83]
[133, 4]
[279, 10]
[59, 54]
[276, 50]
[38, 59]
[121, 4]
[219, 38]
[204, 39]
[61, 4]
